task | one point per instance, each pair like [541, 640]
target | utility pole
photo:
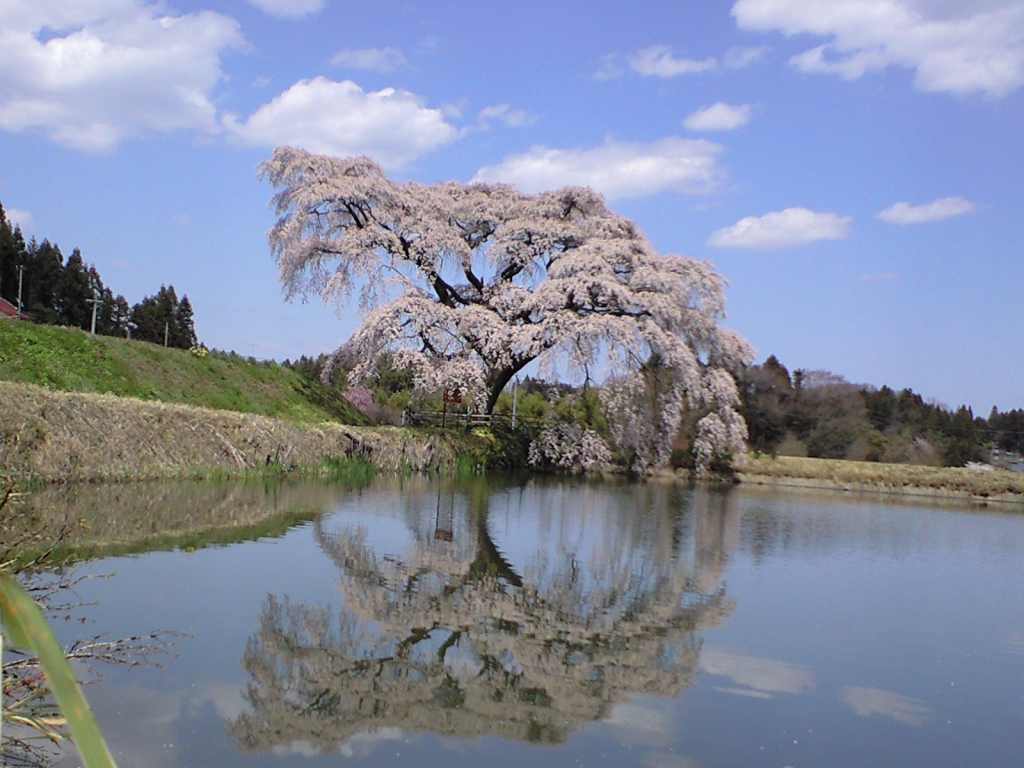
[95, 301]
[167, 328]
[21, 273]
[515, 397]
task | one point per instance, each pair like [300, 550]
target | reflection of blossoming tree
[447, 637]
[468, 284]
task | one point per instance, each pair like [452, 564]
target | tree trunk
[497, 382]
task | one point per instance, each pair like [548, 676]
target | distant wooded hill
[820, 414]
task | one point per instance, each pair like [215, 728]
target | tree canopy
[162, 316]
[466, 284]
[59, 292]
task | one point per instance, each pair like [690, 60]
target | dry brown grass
[64, 436]
[997, 485]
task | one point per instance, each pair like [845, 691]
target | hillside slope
[71, 360]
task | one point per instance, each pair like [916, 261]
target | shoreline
[937, 484]
[49, 437]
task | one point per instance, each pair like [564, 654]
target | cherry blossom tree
[466, 284]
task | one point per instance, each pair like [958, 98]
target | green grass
[71, 360]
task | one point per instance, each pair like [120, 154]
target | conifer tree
[12, 255]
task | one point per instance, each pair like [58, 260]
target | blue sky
[853, 167]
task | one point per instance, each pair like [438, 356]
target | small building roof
[10, 310]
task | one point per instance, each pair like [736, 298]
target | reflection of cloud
[749, 692]
[668, 760]
[303, 748]
[133, 722]
[756, 676]
[875, 701]
[362, 744]
[1015, 643]
[226, 699]
[141, 723]
[645, 721]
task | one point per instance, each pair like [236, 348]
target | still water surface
[534, 622]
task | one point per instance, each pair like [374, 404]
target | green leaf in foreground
[25, 626]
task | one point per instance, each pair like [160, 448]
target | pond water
[538, 622]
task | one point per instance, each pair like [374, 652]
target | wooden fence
[456, 416]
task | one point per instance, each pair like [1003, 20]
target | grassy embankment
[77, 407]
[70, 360]
[935, 482]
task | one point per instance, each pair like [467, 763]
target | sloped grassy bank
[48, 436]
[70, 360]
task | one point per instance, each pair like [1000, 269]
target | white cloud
[118, 70]
[659, 61]
[718, 117]
[876, 701]
[742, 57]
[289, 8]
[20, 218]
[616, 169]
[502, 113]
[943, 208]
[610, 67]
[782, 229]
[373, 59]
[956, 50]
[329, 117]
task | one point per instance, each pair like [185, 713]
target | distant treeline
[820, 414]
[806, 413]
[60, 291]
